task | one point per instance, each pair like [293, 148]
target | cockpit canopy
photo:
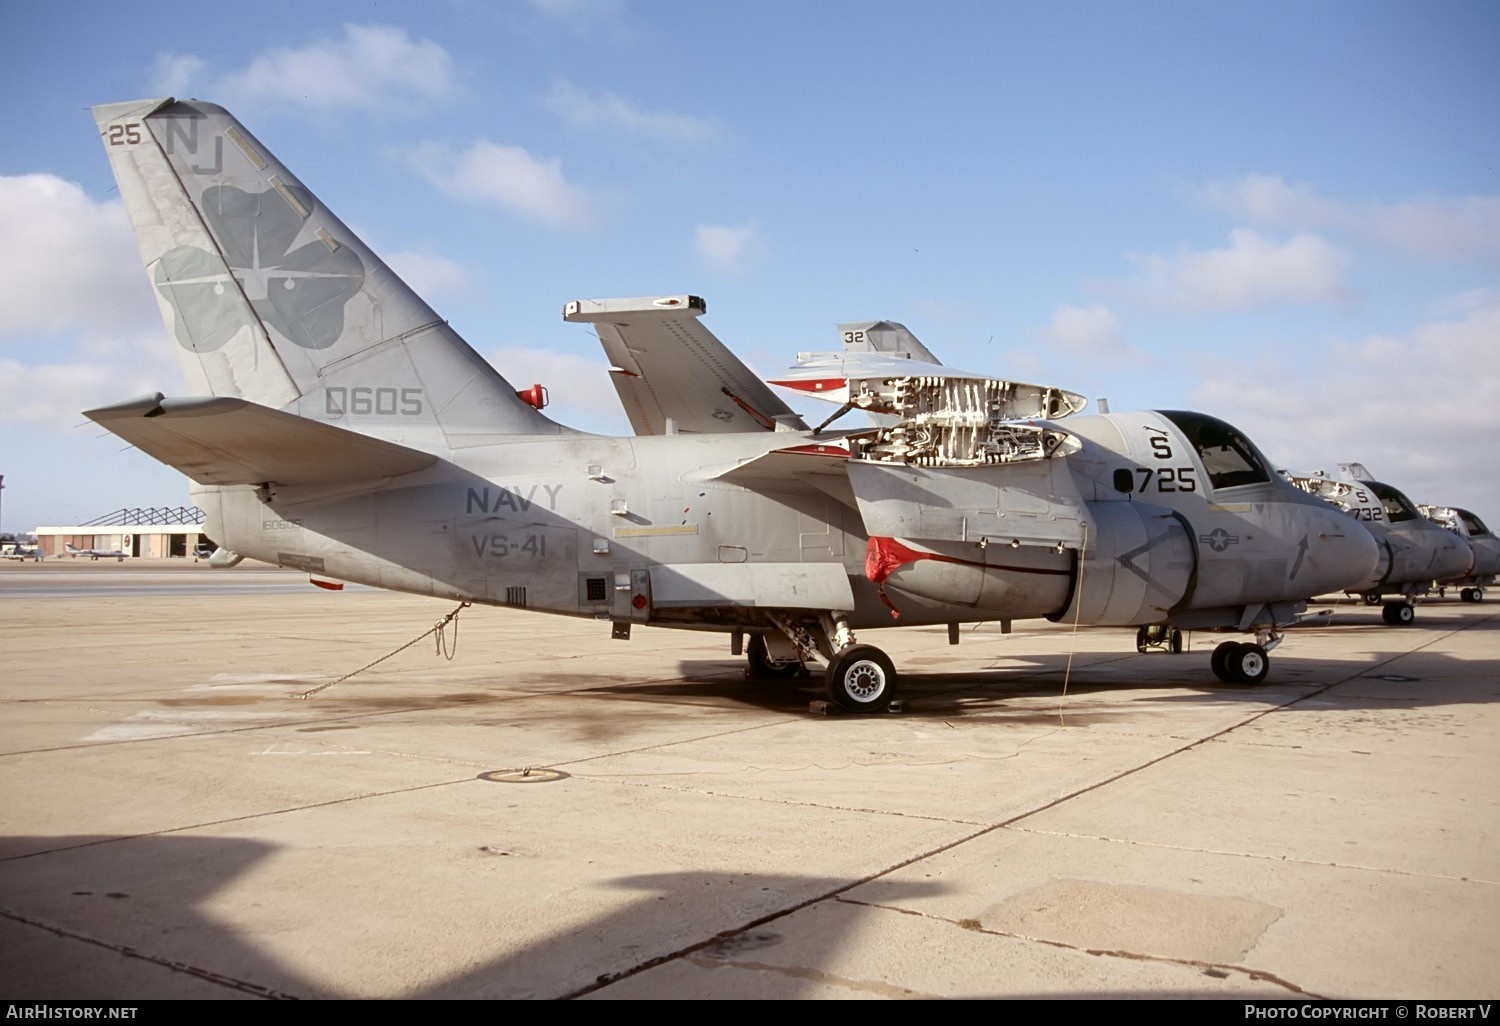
[1398, 508]
[1228, 456]
[1474, 524]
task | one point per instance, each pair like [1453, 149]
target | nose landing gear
[1236, 662]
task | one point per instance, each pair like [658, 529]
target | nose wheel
[1235, 662]
[1398, 614]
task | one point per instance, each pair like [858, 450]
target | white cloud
[1251, 272]
[372, 67]
[1422, 410]
[68, 263]
[1442, 228]
[582, 396]
[507, 177]
[728, 248]
[54, 395]
[173, 74]
[579, 108]
[1092, 330]
[430, 275]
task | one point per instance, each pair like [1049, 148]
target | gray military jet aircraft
[1481, 539]
[1414, 551]
[94, 554]
[338, 425]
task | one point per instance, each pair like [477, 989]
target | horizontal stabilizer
[227, 441]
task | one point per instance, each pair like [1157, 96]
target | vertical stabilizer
[269, 297]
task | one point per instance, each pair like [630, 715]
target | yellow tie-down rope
[1083, 551]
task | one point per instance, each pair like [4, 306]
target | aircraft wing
[879, 355]
[667, 366]
[226, 441]
[820, 466]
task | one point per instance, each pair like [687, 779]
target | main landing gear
[1236, 662]
[1472, 594]
[859, 678]
[764, 666]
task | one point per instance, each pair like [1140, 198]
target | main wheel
[861, 678]
[1142, 639]
[762, 666]
[1174, 642]
[1472, 594]
[1398, 614]
[1220, 660]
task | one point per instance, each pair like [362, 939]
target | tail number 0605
[380, 402]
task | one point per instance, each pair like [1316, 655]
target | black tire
[1220, 660]
[1141, 642]
[762, 666]
[1472, 594]
[1174, 642]
[862, 678]
[1372, 598]
[1399, 614]
[1248, 664]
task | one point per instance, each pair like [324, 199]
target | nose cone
[1454, 558]
[1340, 556]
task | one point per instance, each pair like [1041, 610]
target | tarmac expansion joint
[1216, 970]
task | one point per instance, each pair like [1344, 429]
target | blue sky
[1284, 214]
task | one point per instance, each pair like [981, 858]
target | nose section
[1455, 559]
[1341, 554]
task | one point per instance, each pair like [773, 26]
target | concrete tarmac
[551, 813]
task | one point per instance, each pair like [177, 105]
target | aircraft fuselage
[646, 529]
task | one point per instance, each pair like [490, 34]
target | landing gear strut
[763, 666]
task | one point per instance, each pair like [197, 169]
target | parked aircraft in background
[115, 554]
[340, 426]
[21, 552]
[1480, 538]
[1414, 552]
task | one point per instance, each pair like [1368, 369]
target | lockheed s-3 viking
[335, 423]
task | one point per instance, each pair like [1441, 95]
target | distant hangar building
[157, 532]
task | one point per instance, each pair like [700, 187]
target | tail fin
[270, 298]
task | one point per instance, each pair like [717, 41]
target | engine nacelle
[1137, 563]
[997, 581]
